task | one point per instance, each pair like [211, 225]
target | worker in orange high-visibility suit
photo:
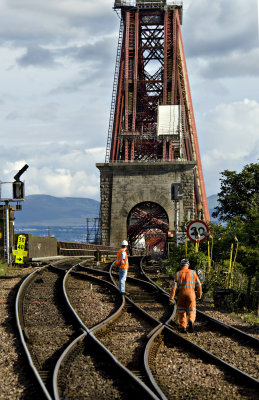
[185, 283]
[123, 265]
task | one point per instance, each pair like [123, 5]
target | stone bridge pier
[124, 185]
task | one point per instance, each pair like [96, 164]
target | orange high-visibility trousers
[186, 305]
[185, 283]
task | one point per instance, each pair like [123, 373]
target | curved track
[45, 325]
[135, 334]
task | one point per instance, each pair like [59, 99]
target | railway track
[44, 359]
[87, 371]
[44, 324]
[146, 296]
[227, 343]
[192, 372]
[135, 334]
[84, 290]
[102, 307]
[224, 343]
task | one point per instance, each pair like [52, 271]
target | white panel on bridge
[133, 3]
[169, 118]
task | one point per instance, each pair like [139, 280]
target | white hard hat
[185, 261]
[124, 243]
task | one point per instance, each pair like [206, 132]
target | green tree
[238, 192]
[239, 209]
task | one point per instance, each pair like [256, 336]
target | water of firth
[62, 233]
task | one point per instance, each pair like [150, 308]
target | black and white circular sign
[197, 230]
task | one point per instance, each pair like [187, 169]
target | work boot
[190, 327]
[182, 330]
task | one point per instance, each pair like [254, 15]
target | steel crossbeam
[153, 73]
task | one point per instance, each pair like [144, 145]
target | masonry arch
[147, 227]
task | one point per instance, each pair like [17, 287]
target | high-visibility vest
[122, 263]
[186, 279]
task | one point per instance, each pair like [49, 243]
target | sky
[57, 60]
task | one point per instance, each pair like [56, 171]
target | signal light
[18, 190]
[176, 191]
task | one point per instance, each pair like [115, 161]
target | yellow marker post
[20, 251]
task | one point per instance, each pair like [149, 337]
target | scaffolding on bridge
[93, 230]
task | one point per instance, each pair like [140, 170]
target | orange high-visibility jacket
[185, 283]
[122, 263]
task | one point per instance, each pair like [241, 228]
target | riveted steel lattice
[153, 117]
[147, 221]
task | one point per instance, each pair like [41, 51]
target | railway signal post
[7, 223]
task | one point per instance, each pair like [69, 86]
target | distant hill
[44, 210]
[212, 203]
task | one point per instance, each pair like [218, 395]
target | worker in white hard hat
[123, 265]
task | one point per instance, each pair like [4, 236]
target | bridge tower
[152, 179]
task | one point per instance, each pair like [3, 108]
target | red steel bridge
[152, 118]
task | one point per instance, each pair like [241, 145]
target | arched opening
[147, 228]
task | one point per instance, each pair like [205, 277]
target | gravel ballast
[15, 377]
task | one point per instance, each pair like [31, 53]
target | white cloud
[56, 74]
[230, 139]
[220, 27]
[233, 65]
[57, 169]
[60, 21]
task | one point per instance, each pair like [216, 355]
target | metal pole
[176, 218]
[230, 266]
[209, 261]
[7, 233]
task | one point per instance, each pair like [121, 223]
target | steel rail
[149, 285]
[197, 350]
[149, 279]
[220, 325]
[140, 310]
[147, 356]
[124, 297]
[59, 362]
[230, 330]
[20, 325]
[101, 282]
[133, 280]
[102, 325]
[135, 301]
[111, 273]
[240, 374]
[215, 359]
[91, 270]
[115, 362]
[145, 388]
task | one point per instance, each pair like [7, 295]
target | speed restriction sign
[196, 230]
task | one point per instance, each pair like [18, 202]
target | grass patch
[250, 318]
[4, 268]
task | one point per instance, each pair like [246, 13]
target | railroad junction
[75, 335]
[83, 339]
